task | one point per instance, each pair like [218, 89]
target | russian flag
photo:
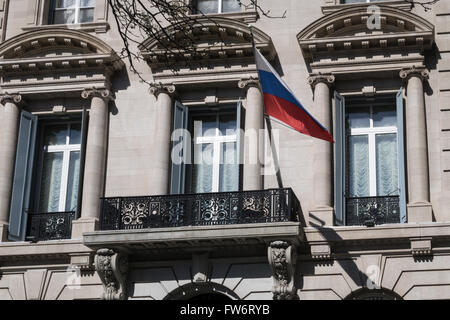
[281, 103]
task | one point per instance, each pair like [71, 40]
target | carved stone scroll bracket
[282, 259]
[316, 78]
[104, 94]
[157, 88]
[248, 83]
[420, 72]
[112, 268]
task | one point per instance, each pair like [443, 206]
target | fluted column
[9, 124]
[419, 207]
[254, 125]
[161, 160]
[94, 168]
[322, 212]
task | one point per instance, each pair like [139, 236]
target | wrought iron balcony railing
[370, 211]
[274, 205]
[50, 226]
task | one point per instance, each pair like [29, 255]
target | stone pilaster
[94, 168]
[164, 105]
[282, 260]
[322, 210]
[112, 268]
[419, 207]
[254, 125]
[9, 125]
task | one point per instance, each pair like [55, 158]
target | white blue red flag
[282, 104]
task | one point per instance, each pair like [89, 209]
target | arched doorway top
[206, 290]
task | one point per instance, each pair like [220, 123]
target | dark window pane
[86, 15]
[55, 135]
[64, 17]
[358, 118]
[384, 117]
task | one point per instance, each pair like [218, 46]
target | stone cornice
[247, 83]
[104, 94]
[157, 88]
[419, 72]
[314, 79]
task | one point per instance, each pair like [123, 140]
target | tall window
[60, 167]
[206, 149]
[217, 6]
[215, 165]
[372, 151]
[72, 11]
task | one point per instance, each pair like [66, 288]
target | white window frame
[217, 141]
[77, 9]
[372, 132]
[219, 7]
[66, 149]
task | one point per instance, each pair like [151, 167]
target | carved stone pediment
[55, 49]
[219, 46]
[388, 39]
[56, 60]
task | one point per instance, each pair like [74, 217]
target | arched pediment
[353, 22]
[348, 29]
[55, 48]
[213, 39]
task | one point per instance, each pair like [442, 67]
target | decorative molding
[112, 268]
[320, 251]
[420, 72]
[157, 88]
[247, 83]
[332, 6]
[97, 27]
[282, 259]
[104, 94]
[11, 98]
[316, 78]
[421, 247]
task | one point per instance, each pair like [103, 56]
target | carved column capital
[420, 72]
[10, 98]
[157, 88]
[112, 268]
[282, 259]
[316, 78]
[104, 94]
[248, 83]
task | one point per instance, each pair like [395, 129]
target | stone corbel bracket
[421, 247]
[112, 268]
[282, 260]
[320, 252]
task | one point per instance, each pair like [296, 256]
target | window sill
[336, 7]
[97, 27]
[245, 16]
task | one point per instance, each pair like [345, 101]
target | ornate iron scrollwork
[371, 211]
[274, 205]
[51, 226]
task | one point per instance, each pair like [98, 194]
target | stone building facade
[93, 206]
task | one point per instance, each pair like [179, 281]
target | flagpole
[266, 117]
